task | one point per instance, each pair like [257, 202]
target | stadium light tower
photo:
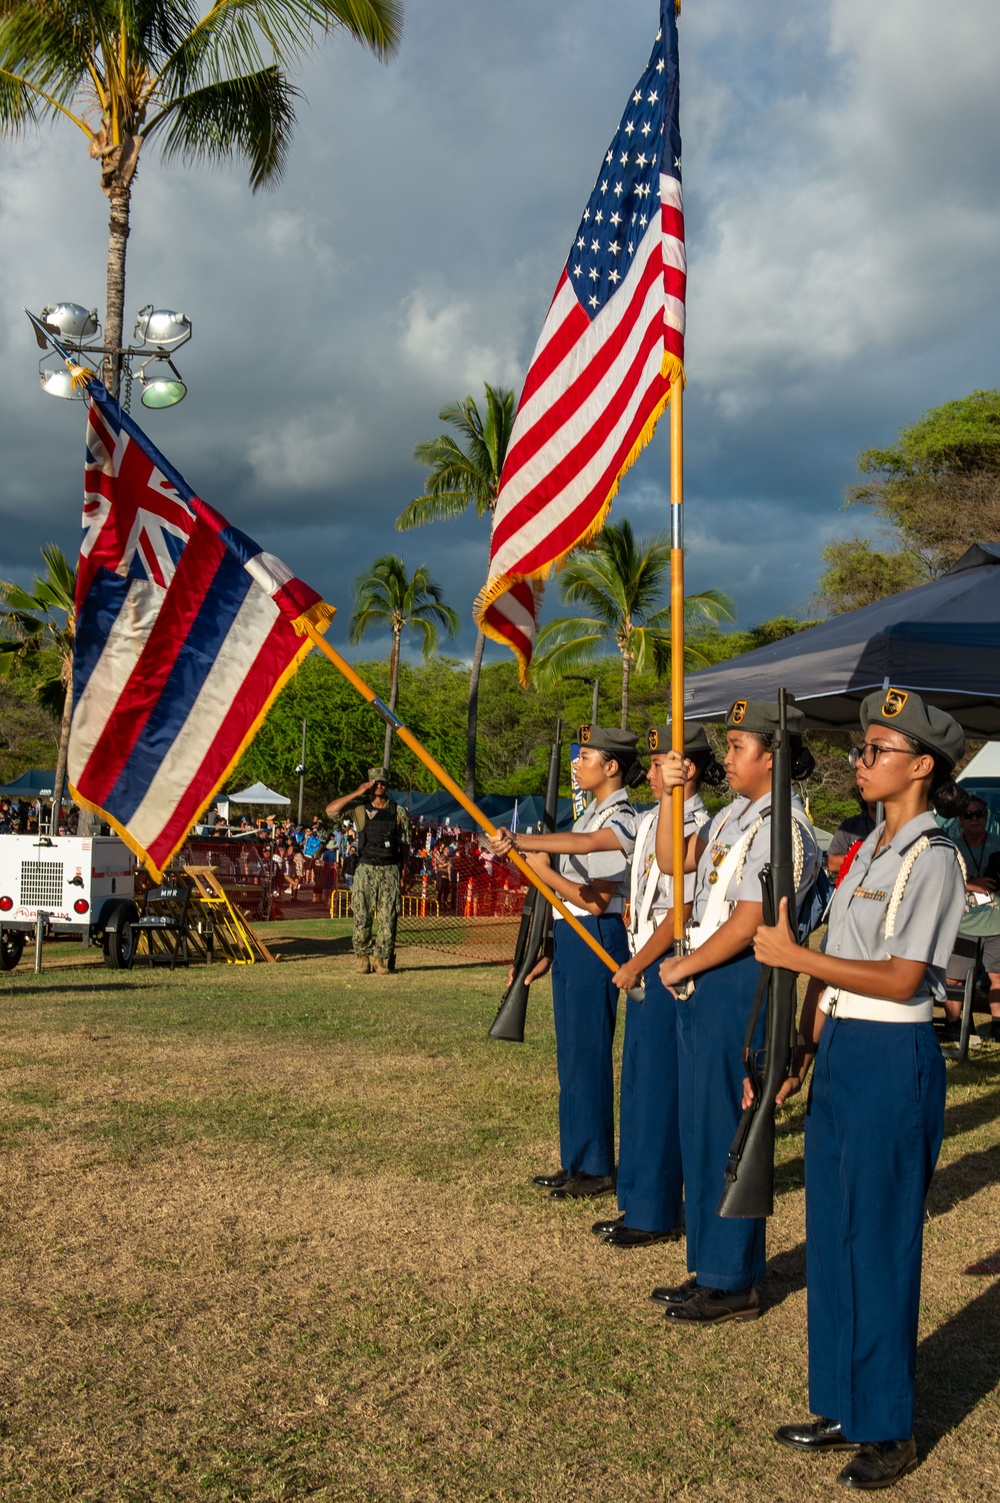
[158, 333]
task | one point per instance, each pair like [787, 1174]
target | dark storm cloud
[841, 195]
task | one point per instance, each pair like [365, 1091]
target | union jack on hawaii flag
[611, 344]
[186, 631]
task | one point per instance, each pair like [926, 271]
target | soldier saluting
[383, 843]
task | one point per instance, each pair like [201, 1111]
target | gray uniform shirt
[695, 817]
[728, 826]
[605, 866]
[929, 914]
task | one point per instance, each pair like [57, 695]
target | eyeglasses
[974, 814]
[868, 754]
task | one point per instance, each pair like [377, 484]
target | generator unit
[81, 886]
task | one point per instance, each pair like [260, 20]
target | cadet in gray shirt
[875, 1118]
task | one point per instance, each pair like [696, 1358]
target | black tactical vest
[378, 840]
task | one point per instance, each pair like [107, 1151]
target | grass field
[267, 1233]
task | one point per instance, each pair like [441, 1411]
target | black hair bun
[803, 763]
[949, 799]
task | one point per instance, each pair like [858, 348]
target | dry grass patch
[268, 1235]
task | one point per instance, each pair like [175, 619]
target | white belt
[616, 906]
[838, 1003]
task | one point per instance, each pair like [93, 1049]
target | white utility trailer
[81, 886]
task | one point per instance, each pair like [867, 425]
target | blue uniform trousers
[649, 1149]
[874, 1126]
[585, 1005]
[725, 1252]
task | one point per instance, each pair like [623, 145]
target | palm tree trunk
[114, 318]
[59, 782]
[626, 675]
[473, 717]
[393, 693]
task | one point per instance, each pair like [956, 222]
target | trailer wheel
[119, 940]
[11, 948]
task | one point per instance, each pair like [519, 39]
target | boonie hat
[609, 739]
[378, 775]
[761, 716]
[902, 710]
[660, 738]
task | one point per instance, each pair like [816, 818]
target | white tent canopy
[985, 764]
[257, 793]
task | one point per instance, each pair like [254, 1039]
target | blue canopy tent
[35, 783]
[940, 640]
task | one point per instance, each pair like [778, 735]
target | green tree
[388, 597]
[622, 580]
[208, 84]
[857, 574]
[937, 489]
[460, 475]
[45, 617]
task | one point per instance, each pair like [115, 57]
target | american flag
[186, 630]
[612, 343]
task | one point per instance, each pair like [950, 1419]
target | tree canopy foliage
[937, 490]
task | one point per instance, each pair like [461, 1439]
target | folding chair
[966, 957]
[165, 915]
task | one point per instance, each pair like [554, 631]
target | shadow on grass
[963, 1179]
[109, 982]
[957, 1367]
[967, 1115]
[786, 1274]
[306, 947]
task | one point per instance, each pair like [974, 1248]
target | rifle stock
[508, 1025]
[749, 1189]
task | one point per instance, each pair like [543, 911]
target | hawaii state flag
[186, 631]
[611, 345]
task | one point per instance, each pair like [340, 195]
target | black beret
[660, 738]
[609, 739]
[902, 710]
[761, 716]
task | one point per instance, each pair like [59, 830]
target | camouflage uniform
[375, 896]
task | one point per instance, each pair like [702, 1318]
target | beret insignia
[584, 734]
[653, 738]
[738, 713]
[893, 703]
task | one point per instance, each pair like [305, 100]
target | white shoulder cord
[798, 850]
[903, 876]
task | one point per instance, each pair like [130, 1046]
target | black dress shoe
[821, 1435]
[879, 1463]
[664, 1295]
[551, 1181]
[582, 1186]
[602, 1228]
[712, 1306]
[632, 1236]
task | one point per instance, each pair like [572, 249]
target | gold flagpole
[677, 637]
[457, 793]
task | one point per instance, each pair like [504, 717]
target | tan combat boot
[364, 965]
[380, 966]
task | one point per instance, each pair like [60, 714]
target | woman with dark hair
[591, 877]
[875, 1117]
[725, 1256]
[650, 1182]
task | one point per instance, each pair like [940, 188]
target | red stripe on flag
[576, 459]
[277, 653]
[192, 580]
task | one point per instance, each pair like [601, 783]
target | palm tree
[460, 476]
[45, 617]
[386, 596]
[622, 580]
[207, 86]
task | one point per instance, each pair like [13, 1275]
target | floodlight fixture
[161, 390]
[162, 327]
[56, 381]
[73, 323]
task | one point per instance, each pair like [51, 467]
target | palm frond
[251, 116]
[440, 507]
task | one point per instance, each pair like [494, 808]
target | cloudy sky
[841, 184]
